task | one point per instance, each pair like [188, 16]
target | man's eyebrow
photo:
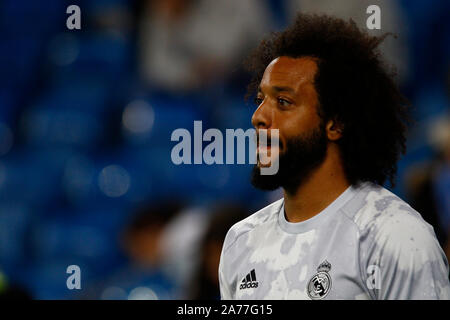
[279, 89]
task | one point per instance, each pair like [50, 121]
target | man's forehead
[284, 70]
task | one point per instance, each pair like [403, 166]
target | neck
[322, 187]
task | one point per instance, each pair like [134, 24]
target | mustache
[268, 141]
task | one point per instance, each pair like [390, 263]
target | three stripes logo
[249, 281]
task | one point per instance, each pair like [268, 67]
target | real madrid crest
[320, 283]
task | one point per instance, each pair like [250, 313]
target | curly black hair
[355, 88]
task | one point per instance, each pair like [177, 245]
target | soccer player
[336, 233]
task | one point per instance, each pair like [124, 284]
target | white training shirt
[367, 244]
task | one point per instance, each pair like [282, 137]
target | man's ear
[334, 130]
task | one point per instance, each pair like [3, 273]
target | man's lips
[263, 149]
[267, 151]
[268, 143]
[267, 148]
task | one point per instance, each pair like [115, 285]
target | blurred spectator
[429, 184]
[440, 139]
[110, 16]
[142, 277]
[420, 191]
[142, 237]
[395, 51]
[181, 242]
[187, 44]
[205, 282]
[441, 178]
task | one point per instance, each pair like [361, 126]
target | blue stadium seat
[168, 115]
[67, 236]
[89, 237]
[47, 279]
[14, 223]
[77, 92]
[28, 17]
[46, 125]
[234, 113]
[7, 104]
[121, 178]
[32, 177]
[18, 58]
[102, 53]
[432, 100]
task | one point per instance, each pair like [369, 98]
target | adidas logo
[249, 281]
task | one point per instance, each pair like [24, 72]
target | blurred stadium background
[85, 122]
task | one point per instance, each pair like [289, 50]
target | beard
[302, 154]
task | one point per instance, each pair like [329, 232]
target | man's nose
[261, 118]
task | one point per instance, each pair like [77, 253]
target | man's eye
[284, 102]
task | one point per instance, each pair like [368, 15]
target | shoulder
[389, 225]
[251, 222]
[384, 212]
[402, 245]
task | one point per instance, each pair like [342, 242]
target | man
[336, 234]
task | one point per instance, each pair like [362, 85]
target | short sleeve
[225, 292]
[224, 282]
[401, 259]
